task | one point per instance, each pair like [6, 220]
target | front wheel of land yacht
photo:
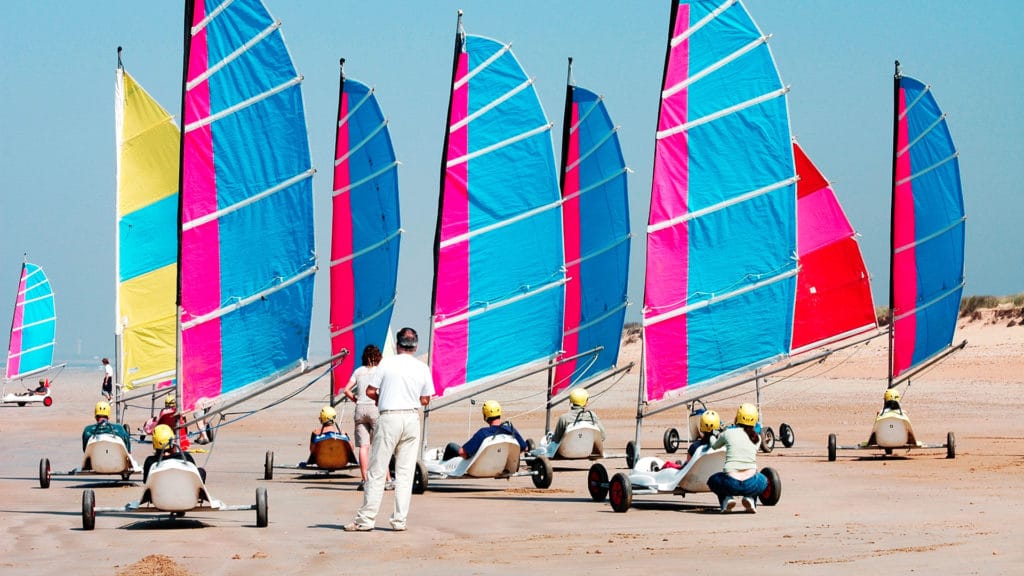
[44, 473]
[542, 472]
[767, 439]
[950, 445]
[620, 492]
[48, 401]
[88, 510]
[772, 493]
[268, 466]
[671, 440]
[597, 482]
[419, 478]
[831, 447]
[261, 508]
[787, 435]
[631, 454]
[530, 445]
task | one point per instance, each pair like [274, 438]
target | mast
[341, 91]
[186, 53]
[892, 217]
[119, 97]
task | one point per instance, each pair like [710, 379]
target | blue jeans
[726, 486]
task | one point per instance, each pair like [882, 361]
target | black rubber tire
[262, 518]
[542, 472]
[530, 445]
[670, 440]
[126, 475]
[831, 447]
[767, 440]
[88, 510]
[597, 482]
[771, 494]
[888, 451]
[44, 473]
[419, 478]
[268, 466]
[620, 492]
[787, 435]
[21, 403]
[632, 454]
[950, 445]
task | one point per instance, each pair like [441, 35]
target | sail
[498, 270]
[365, 228]
[33, 327]
[721, 239]
[147, 240]
[247, 255]
[833, 296]
[595, 217]
[927, 229]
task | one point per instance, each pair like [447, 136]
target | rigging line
[913, 103]
[498, 225]
[683, 84]
[935, 166]
[498, 145]
[483, 66]
[243, 104]
[955, 224]
[720, 206]
[595, 253]
[721, 113]
[353, 149]
[491, 105]
[358, 183]
[364, 321]
[242, 302]
[213, 14]
[496, 305]
[368, 249]
[353, 109]
[925, 132]
[597, 320]
[714, 300]
[586, 114]
[677, 40]
[596, 185]
[196, 222]
[211, 70]
[930, 303]
[593, 149]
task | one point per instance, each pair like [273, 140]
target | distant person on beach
[401, 384]
[739, 479]
[492, 414]
[103, 425]
[328, 430]
[366, 413]
[107, 389]
[578, 412]
[164, 448]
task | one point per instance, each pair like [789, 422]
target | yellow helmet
[746, 415]
[169, 401]
[162, 437]
[709, 421]
[327, 414]
[579, 397]
[103, 409]
[892, 395]
[491, 409]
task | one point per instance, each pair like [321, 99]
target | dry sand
[916, 512]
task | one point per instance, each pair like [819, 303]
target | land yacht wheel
[671, 440]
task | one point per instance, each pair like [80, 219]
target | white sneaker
[728, 505]
[749, 504]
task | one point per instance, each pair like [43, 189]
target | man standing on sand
[401, 384]
[108, 380]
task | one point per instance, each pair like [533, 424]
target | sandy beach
[906, 513]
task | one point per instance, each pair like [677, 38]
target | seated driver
[164, 448]
[495, 427]
[43, 388]
[328, 430]
[103, 425]
[891, 401]
[578, 412]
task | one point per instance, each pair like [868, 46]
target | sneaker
[749, 504]
[356, 527]
[389, 485]
[398, 527]
[728, 505]
[303, 464]
[359, 488]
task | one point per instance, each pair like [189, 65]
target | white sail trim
[353, 149]
[32, 349]
[213, 14]
[593, 149]
[210, 71]
[724, 112]
[586, 114]
[930, 303]
[242, 302]
[677, 40]
[523, 216]
[242, 105]
[354, 109]
[358, 183]
[499, 304]
[36, 299]
[155, 378]
[914, 102]
[938, 164]
[720, 206]
[491, 105]
[597, 320]
[368, 249]
[651, 320]
[926, 131]
[32, 324]
[956, 223]
[596, 185]
[595, 253]
[250, 200]
[364, 321]
[498, 145]
[483, 66]
[668, 92]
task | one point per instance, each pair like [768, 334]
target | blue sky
[57, 121]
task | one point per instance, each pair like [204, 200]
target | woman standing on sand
[366, 413]
[739, 479]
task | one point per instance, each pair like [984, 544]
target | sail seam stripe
[242, 302]
[216, 11]
[914, 102]
[368, 249]
[483, 66]
[496, 305]
[937, 165]
[720, 206]
[724, 112]
[597, 320]
[32, 324]
[32, 349]
[595, 253]
[924, 133]
[154, 378]
[36, 299]
[353, 149]
[833, 339]
[668, 92]
[242, 105]
[929, 303]
[714, 300]
[369, 178]
[250, 200]
[956, 223]
[364, 321]
[596, 185]
[593, 149]
[353, 109]
[586, 114]
[491, 105]
[210, 71]
[498, 225]
[498, 145]
[677, 40]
